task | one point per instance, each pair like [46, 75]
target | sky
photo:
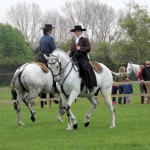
[57, 4]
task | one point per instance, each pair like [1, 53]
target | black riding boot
[42, 95]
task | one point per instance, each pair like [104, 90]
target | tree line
[116, 37]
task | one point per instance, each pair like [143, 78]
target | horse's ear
[54, 56]
[46, 57]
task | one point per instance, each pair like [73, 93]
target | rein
[61, 71]
[59, 68]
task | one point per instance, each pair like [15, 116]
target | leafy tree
[135, 46]
[102, 53]
[13, 48]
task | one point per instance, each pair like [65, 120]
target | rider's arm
[52, 43]
[86, 48]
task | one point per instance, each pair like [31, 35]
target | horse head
[129, 68]
[54, 65]
[133, 69]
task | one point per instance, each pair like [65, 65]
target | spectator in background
[146, 77]
[121, 78]
[127, 89]
[114, 91]
[142, 85]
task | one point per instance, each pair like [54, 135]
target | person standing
[121, 78]
[142, 85]
[114, 92]
[80, 47]
[127, 89]
[46, 46]
[146, 77]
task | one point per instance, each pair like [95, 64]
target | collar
[79, 36]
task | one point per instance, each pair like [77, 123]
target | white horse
[133, 69]
[68, 82]
[31, 78]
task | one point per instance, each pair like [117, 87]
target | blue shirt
[47, 44]
[127, 89]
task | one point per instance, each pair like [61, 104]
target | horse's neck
[136, 68]
[64, 60]
[66, 65]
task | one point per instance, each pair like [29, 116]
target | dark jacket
[81, 58]
[114, 89]
[85, 47]
[146, 74]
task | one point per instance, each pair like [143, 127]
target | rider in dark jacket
[79, 50]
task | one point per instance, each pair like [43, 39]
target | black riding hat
[77, 27]
[48, 26]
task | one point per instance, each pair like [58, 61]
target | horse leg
[71, 99]
[68, 112]
[61, 111]
[107, 96]
[27, 101]
[20, 95]
[94, 102]
[69, 128]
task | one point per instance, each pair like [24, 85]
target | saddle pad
[96, 66]
[42, 66]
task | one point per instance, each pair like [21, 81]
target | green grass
[132, 130]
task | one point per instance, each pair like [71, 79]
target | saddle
[42, 66]
[96, 66]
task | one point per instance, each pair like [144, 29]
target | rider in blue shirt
[47, 43]
[46, 46]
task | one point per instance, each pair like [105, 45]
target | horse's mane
[60, 51]
[134, 64]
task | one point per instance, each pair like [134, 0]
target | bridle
[61, 71]
[60, 67]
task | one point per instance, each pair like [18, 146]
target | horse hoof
[59, 119]
[21, 124]
[75, 126]
[33, 118]
[69, 129]
[112, 126]
[86, 124]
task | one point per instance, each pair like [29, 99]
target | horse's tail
[115, 73]
[16, 82]
[17, 76]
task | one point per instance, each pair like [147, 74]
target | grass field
[132, 130]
